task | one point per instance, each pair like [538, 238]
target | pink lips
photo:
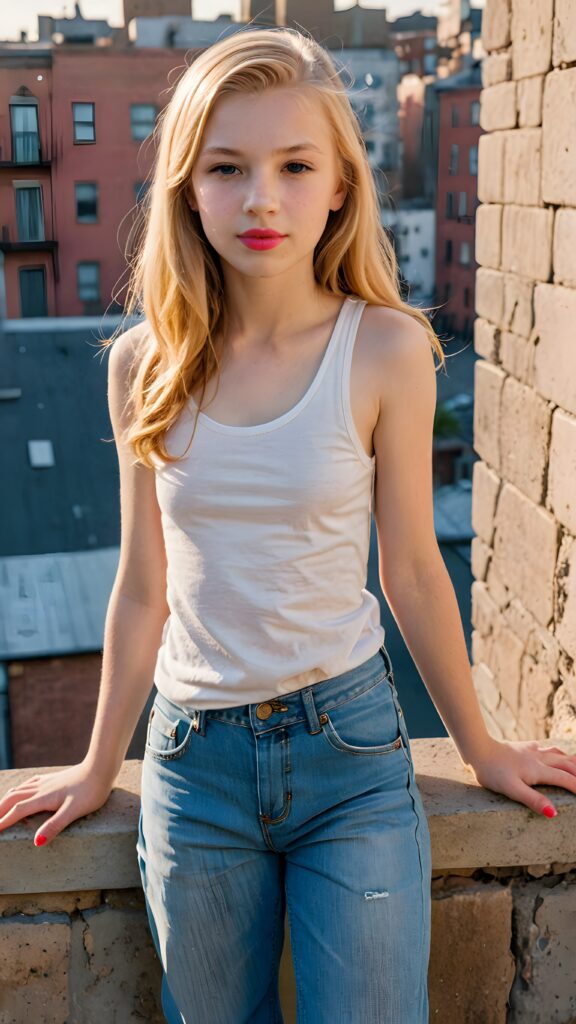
[261, 239]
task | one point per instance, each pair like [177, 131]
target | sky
[23, 14]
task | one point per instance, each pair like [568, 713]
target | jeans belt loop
[314, 725]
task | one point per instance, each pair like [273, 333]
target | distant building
[156, 9]
[76, 148]
[75, 155]
[413, 227]
[415, 43]
[170, 31]
[59, 537]
[456, 198]
[459, 36]
[373, 93]
[88, 31]
[353, 26]
[411, 97]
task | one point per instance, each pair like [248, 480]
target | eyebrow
[226, 151]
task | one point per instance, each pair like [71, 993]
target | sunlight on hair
[175, 274]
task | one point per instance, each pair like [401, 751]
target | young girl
[277, 769]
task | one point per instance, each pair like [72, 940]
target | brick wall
[524, 485]
[52, 709]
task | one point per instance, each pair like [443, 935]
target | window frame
[133, 107]
[88, 263]
[75, 122]
[96, 218]
[23, 185]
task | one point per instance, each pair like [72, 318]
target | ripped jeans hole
[374, 894]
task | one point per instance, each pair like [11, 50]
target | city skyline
[24, 15]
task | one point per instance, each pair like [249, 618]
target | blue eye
[296, 163]
[221, 168]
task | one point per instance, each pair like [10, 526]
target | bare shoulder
[398, 355]
[126, 352]
[393, 335]
[129, 347]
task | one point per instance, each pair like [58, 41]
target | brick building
[456, 198]
[75, 152]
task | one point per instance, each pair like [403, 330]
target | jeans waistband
[306, 704]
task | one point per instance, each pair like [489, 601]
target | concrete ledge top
[470, 827]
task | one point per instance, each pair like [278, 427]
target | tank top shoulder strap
[340, 373]
[345, 343]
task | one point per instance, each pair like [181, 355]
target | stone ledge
[470, 827]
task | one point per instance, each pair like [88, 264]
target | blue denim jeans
[306, 802]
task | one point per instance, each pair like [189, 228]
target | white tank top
[267, 532]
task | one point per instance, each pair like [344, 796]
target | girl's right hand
[71, 793]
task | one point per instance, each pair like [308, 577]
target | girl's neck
[268, 311]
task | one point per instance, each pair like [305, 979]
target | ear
[190, 199]
[339, 197]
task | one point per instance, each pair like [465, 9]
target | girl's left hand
[512, 767]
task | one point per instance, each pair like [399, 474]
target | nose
[261, 195]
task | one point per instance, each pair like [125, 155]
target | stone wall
[524, 484]
[502, 950]
[76, 947]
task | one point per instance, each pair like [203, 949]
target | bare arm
[136, 613]
[416, 582]
[137, 609]
[413, 575]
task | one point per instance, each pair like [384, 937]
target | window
[465, 253]
[29, 213]
[448, 251]
[33, 291]
[424, 252]
[84, 122]
[389, 156]
[142, 120]
[473, 160]
[86, 202]
[88, 279]
[41, 454]
[467, 298]
[454, 154]
[429, 43]
[455, 116]
[475, 112]
[462, 204]
[370, 145]
[430, 62]
[449, 205]
[447, 291]
[25, 137]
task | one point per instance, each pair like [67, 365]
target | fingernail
[40, 840]
[550, 811]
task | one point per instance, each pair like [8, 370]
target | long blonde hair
[176, 278]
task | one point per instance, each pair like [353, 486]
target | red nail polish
[40, 840]
[550, 811]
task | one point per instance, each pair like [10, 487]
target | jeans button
[263, 711]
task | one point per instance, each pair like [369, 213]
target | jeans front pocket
[365, 724]
[168, 732]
